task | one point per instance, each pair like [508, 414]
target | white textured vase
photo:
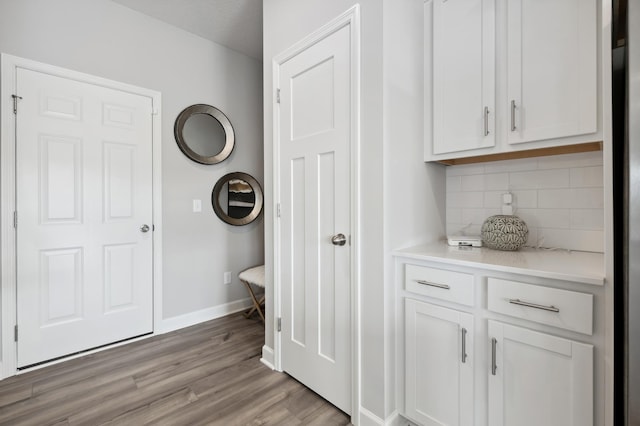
[504, 232]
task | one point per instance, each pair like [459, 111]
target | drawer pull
[494, 366]
[429, 283]
[534, 305]
[464, 345]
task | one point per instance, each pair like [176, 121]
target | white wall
[402, 198]
[560, 198]
[414, 191]
[103, 38]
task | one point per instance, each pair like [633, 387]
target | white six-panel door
[315, 143]
[84, 190]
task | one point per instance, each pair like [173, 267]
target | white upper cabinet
[551, 69]
[509, 75]
[463, 74]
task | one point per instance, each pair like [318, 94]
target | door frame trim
[351, 19]
[8, 78]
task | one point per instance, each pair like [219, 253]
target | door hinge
[15, 333]
[15, 103]
[278, 210]
[15, 219]
[279, 324]
[277, 96]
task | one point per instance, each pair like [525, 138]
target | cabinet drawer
[441, 284]
[560, 308]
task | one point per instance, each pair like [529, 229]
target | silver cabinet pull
[430, 284]
[513, 116]
[534, 305]
[464, 345]
[144, 228]
[494, 367]
[486, 121]
[338, 240]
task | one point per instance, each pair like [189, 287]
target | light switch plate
[197, 206]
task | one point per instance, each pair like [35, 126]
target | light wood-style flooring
[208, 374]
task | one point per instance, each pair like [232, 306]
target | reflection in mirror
[241, 198]
[237, 198]
[204, 134]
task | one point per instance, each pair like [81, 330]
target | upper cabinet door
[551, 69]
[463, 79]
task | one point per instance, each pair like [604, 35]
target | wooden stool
[254, 276]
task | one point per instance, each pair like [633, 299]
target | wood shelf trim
[538, 152]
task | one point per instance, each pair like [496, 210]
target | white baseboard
[367, 418]
[268, 357]
[208, 314]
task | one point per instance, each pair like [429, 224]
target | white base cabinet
[439, 360]
[538, 379]
[489, 348]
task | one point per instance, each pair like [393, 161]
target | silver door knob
[144, 228]
[338, 240]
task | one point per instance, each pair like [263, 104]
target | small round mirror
[204, 134]
[237, 198]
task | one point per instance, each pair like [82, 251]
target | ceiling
[236, 24]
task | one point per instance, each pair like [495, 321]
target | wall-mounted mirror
[204, 134]
[237, 198]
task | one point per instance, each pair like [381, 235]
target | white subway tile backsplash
[519, 165]
[453, 184]
[577, 198]
[587, 219]
[454, 215]
[496, 181]
[546, 218]
[561, 198]
[584, 177]
[567, 161]
[465, 199]
[473, 183]
[474, 216]
[571, 239]
[525, 199]
[493, 199]
[558, 178]
[465, 170]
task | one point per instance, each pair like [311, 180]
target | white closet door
[315, 142]
[84, 190]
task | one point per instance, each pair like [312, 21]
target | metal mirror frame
[257, 206]
[214, 112]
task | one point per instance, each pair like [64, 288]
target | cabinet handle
[534, 305]
[429, 283]
[513, 116]
[486, 121]
[494, 367]
[464, 345]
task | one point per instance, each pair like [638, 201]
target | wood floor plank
[206, 374]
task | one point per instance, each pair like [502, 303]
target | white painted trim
[394, 419]
[350, 18]
[8, 72]
[203, 315]
[268, 357]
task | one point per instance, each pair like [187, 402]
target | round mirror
[204, 134]
[237, 198]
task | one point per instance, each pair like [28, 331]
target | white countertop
[578, 266]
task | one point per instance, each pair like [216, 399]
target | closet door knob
[144, 228]
[339, 240]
